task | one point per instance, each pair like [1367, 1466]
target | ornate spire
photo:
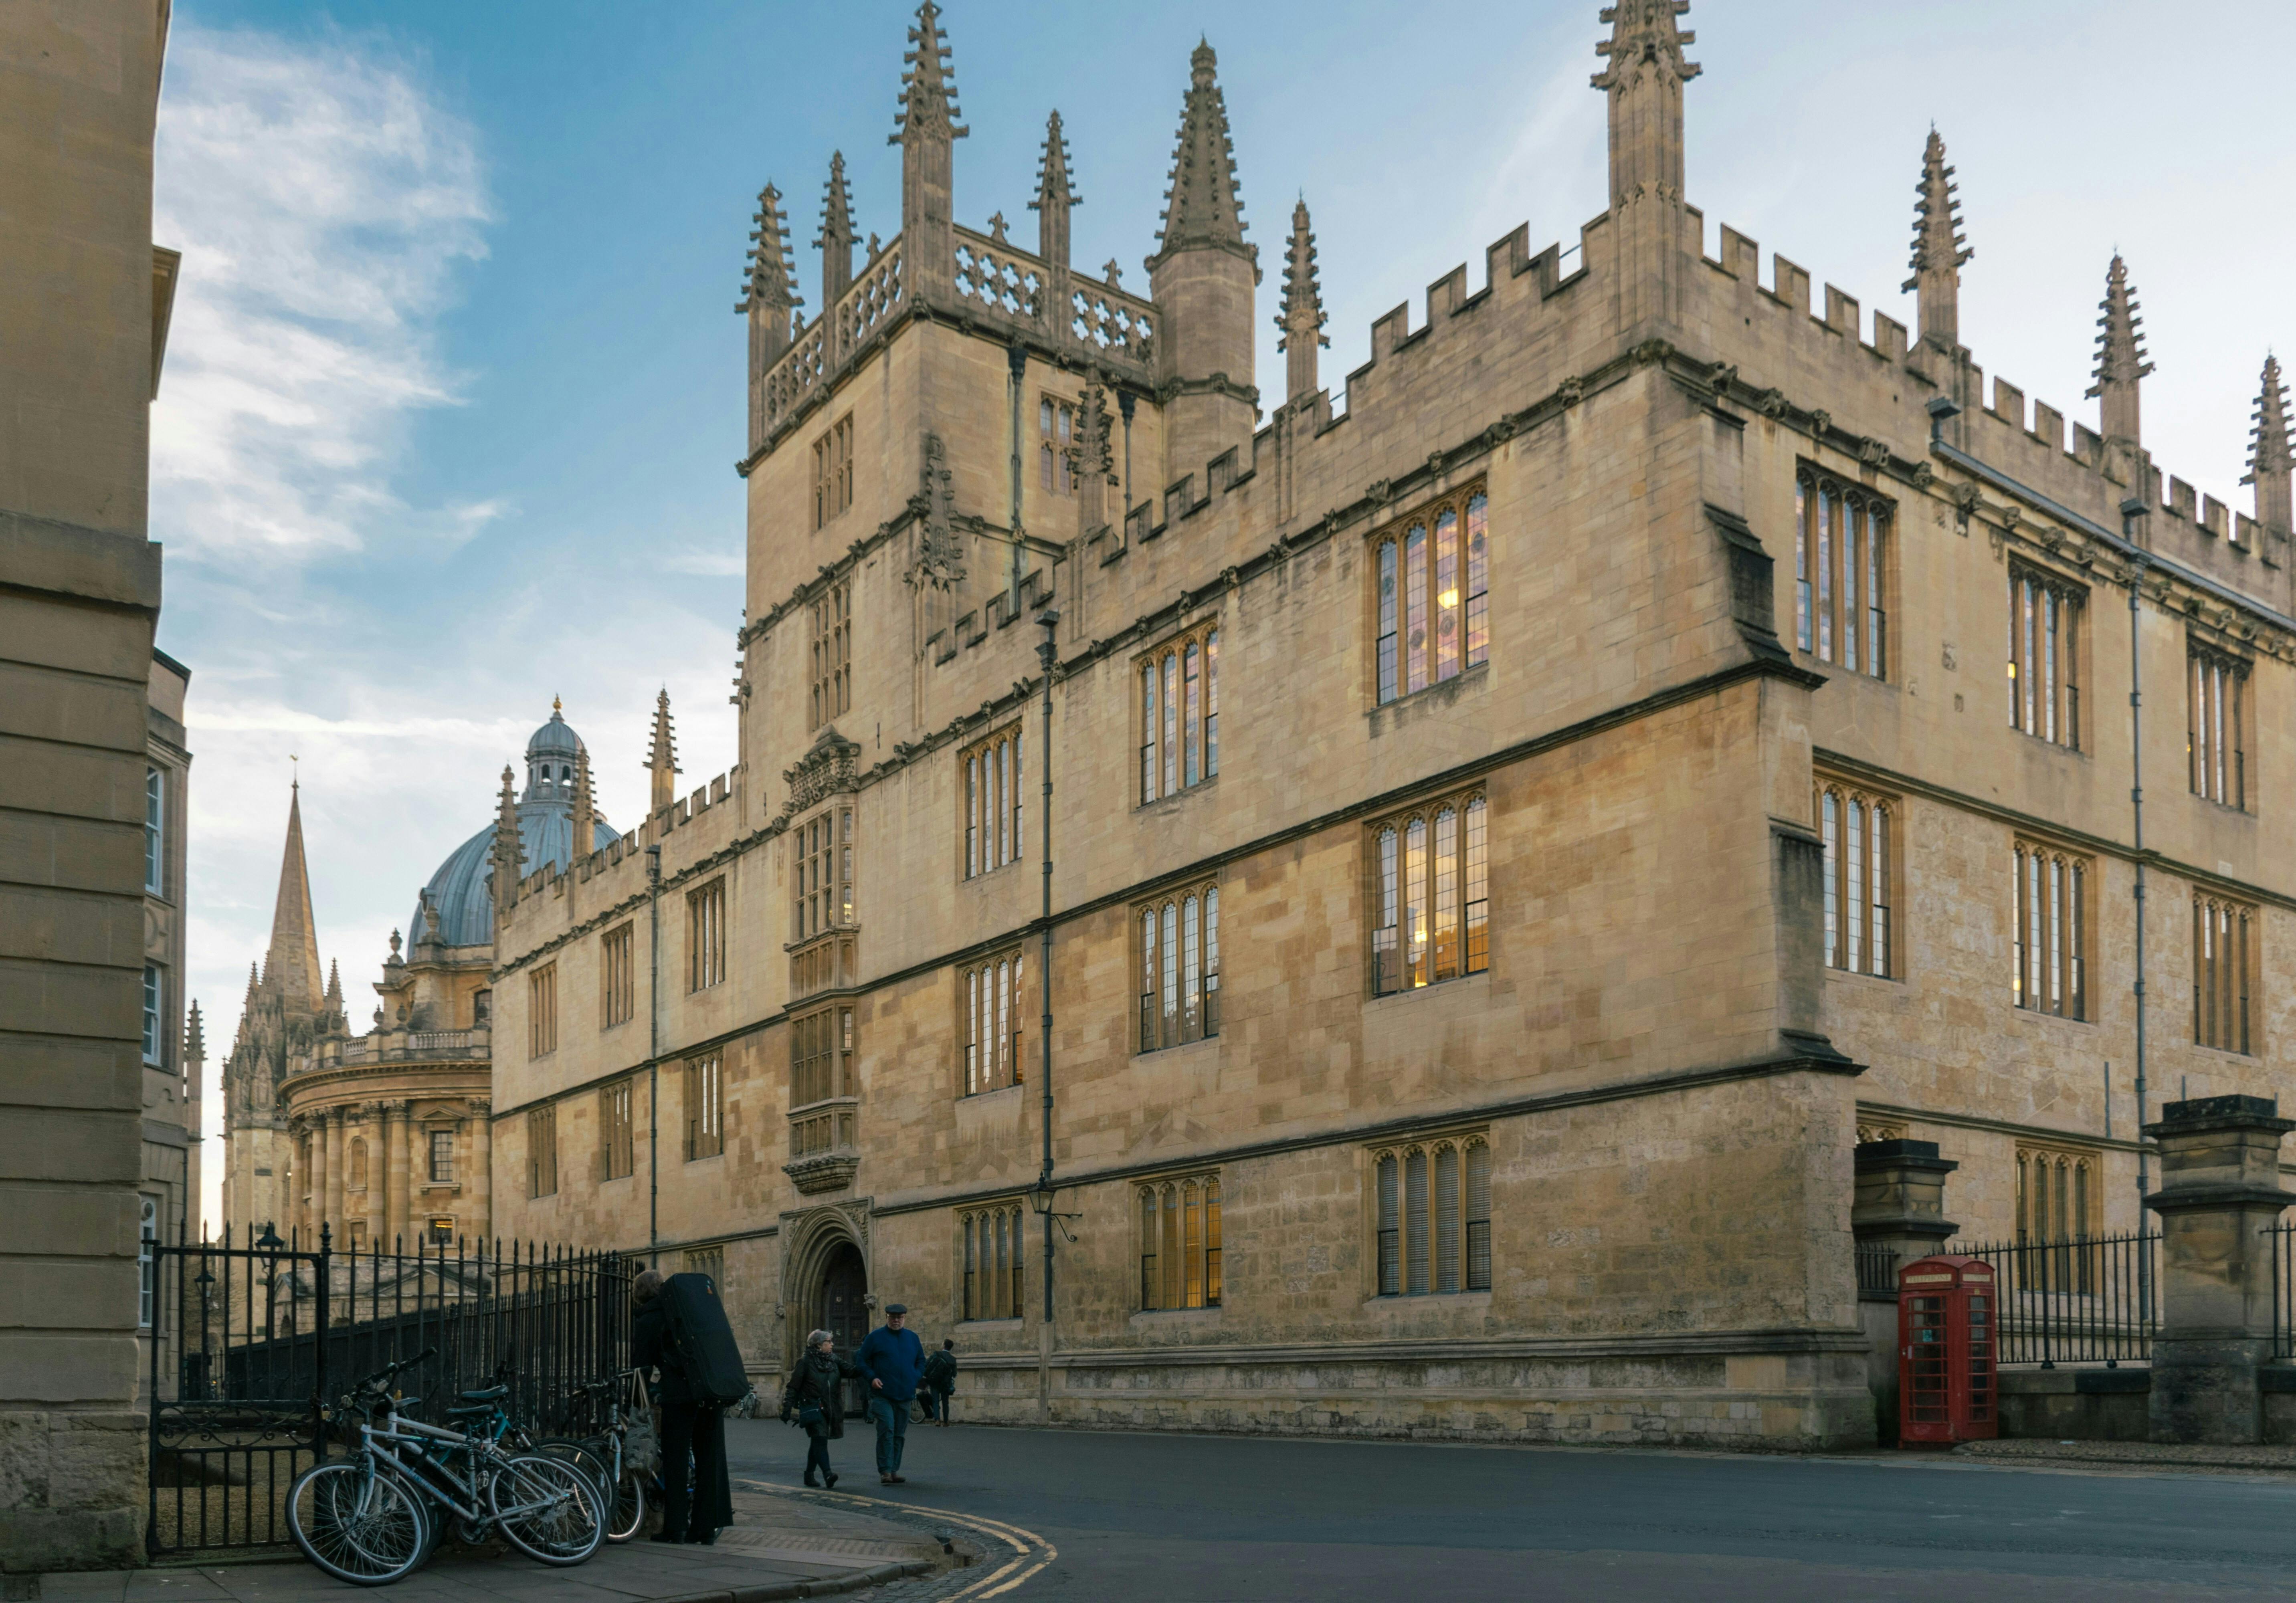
[195, 1040]
[661, 757]
[1054, 196]
[1301, 317]
[769, 297]
[2120, 361]
[334, 988]
[1201, 209]
[291, 962]
[836, 241]
[927, 85]
[1095, 457]
[2269, 459]
[506, 854]
[1642, 73]
[1940, 249]
[586, 809]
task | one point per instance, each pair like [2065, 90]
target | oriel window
[1431, 894]
[1841, 534]
[822, 1087]
[1179, 713]
[1180, 967]
[2045, 655]
[823, 873]
[1431, 1203]
[2049, 945]
[1431, 575]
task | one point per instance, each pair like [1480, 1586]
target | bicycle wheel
[626, 1515]
[550, 1509]
[358, 1526]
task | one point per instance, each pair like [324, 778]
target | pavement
[778, 1547]
[1156, 1517]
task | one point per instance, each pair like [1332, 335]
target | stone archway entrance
[843, 1302]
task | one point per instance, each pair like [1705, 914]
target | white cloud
[322, 201]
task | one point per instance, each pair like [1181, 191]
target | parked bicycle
[604, 1455]
[373, 1518]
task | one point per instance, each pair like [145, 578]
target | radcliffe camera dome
[459, 890]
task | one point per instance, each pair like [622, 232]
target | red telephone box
[1947, 1321]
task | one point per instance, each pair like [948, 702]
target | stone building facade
[384, 1137]
[174, 1046]
[85, 296]
[1507, 839]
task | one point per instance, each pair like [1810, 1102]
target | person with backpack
[680, 1329]
[939, 1381]
[814, 1398]
[894, 1360]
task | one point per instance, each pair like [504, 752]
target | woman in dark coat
[693, 1431]
[817, 1383]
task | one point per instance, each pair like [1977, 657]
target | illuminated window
[1432, 573]
[1430, 894]
[1180, 1243]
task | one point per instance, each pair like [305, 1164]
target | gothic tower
[1203, 277]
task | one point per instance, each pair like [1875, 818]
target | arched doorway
[844, 1303]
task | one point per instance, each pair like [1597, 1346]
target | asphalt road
[1206, 1519]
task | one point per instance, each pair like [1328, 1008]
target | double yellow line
[1029, 1552]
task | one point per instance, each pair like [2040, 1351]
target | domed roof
[459, 891]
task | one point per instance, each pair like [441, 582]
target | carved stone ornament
[1820, 422]
[1572, 390]
[1723, 375]
[1873, 452]
[1773, 403]
[1924, 474]
[829, 1171]
[940, 561]
[828, 769]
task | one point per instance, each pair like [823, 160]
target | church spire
[291, 962]
[1054, 196]
[506, 854]
[1302, 317]
[661, 757]
[1201, 208]
[925, 129]
[2269, 459]
[836, 241]
[2120, 361]
[769, 297]
[1939, 250]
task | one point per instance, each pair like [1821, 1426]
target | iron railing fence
[1877, 1268]
[2075, 1299]
[274, 1331]
[2280, 1245]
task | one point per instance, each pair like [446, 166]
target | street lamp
[1040, 1202]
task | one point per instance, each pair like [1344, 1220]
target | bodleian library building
[1490, 847]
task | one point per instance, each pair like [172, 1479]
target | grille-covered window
[1430, 894]
[1180, 967]
[1180, 1243]
[1841, 573]
[1433, 1211]
[1432, 573]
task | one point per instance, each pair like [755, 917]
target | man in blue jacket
[894, 1361]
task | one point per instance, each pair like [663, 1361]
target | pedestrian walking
[672, 1333]
[894, 1360]
[939, 1382]
[814, 1398]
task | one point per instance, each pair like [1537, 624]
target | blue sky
[455, 385]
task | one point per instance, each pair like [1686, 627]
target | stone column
[1899, 1205]
[378, 1167]
[394, 1164]
[2220, 1193]
[332, 1209]
[477, 1188]
[314, 1194]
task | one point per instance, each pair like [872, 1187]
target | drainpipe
[1047, 654]
[653, 1057]
[2131, 510]
[1019, 360]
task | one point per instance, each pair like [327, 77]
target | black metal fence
[1877, 1268]
[272, 1332]
[2280, 1243]
[2076, 1299]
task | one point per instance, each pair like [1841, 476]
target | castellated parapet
[1565, 570]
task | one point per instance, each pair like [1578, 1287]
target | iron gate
[267, 1334]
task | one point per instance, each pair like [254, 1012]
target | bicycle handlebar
[375, 1380]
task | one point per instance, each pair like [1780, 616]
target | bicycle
[601, 1456]
[373, 1517]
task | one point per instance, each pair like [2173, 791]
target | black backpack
[703, 1339]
